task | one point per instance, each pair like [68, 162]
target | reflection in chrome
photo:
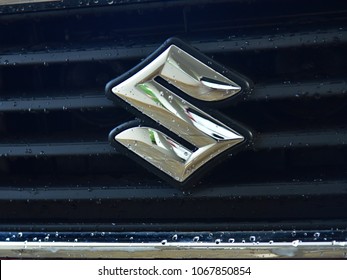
[176, 244]
[209, 136]
[194, 77]
[219, 85]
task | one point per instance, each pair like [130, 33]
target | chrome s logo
[178, 135]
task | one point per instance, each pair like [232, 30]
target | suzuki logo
[173, 93]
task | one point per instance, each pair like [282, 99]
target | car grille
[57, 168]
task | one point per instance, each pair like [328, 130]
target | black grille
[56, 165]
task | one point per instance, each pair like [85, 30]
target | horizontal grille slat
[54, 103]
[271, 41]
[55, 149]
[268, 204]
[263, 141]
[275, 41]
[159, 191]
[97, 100]
[270, 92]
[299, 139]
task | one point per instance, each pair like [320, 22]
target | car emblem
[174, 93]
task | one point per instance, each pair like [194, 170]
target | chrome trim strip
[222, 244]
[172, 250]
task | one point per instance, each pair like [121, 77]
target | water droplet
[316, 234]
[217, 241]
[174, 237]
[295, 243]
[252, 238]
[293, 232]
[163, 242]
[20, 234]
[196, 238]
[231, 240]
